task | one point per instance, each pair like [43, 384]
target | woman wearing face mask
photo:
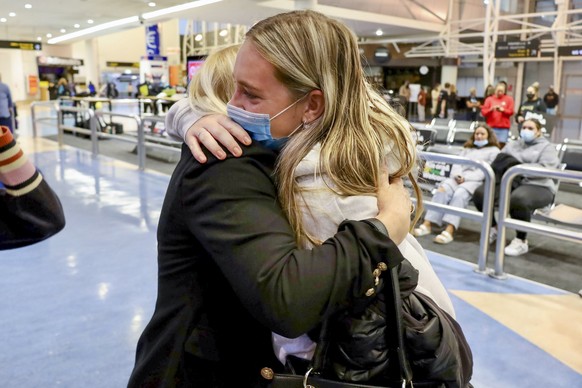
[230, 272]
[532, 108]
[320, 202]
[458, 189]
[527, 194]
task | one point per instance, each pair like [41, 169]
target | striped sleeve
[17, 173]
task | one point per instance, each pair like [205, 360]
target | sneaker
[517, 247]
[492, 235]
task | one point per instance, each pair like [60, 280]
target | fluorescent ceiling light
[132, 19]
[177, 8]
[90, 30]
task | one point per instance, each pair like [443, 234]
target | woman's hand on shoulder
[394, 208]
[211, 132]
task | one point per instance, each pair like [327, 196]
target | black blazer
[230, 273]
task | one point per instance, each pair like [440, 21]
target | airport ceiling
[394, 17]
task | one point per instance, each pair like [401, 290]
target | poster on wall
[32, 85]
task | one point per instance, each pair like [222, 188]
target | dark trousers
[7, 122]
[522, 202]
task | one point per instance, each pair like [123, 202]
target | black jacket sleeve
[30, 218]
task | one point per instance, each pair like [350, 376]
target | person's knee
[522, 201]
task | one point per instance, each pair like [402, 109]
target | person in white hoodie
[327, 169]
[457, 190]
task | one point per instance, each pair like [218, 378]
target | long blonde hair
[311, 51]
[213, 85]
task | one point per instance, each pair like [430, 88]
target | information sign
[518, 49]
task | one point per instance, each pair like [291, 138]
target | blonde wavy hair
[213, 85]
[357, 130]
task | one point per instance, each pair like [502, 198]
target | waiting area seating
[444, 136]
[570, 152]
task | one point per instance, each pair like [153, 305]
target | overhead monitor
[193, 64]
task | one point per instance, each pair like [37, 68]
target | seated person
[30, 211]
[527, 194]
[458, 189]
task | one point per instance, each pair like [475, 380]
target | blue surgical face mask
[480, 143]
[527, 135]
[258, 125]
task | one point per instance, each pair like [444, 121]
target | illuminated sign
[518, 49]
[122, 64]
[570, 51]
[10, 44]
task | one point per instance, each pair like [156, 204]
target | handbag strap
[394, 316]
[394, 338]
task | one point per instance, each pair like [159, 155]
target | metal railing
[505, 222]
[34, 114]
[484, 217]
[142, 141]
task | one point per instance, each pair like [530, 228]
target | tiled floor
[74, 305]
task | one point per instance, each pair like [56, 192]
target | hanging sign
[152, 40]
[570, 51]
[11, 44]
[518, 49]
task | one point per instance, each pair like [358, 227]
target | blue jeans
[502, 134]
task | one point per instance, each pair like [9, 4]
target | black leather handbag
[400, 370]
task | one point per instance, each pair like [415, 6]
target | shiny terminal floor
[74, 305]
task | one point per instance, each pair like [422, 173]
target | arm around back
[229, 210]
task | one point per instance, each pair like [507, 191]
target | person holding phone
[497, 110]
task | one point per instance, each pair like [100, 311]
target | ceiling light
[63, 30]
[49, 35]
[90, 30]
[223, 33]
[198, 37]
[90, 21]
[39, 38]
[379, 32]
[178, 8]
[77, 25]
[3, 20]
[12, 14]
[152, 4]
[28, 6]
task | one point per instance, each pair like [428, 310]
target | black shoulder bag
[404, 326]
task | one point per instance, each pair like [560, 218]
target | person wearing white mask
[528, 193]
[458, 189]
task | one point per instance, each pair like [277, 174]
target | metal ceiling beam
[352, 14]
